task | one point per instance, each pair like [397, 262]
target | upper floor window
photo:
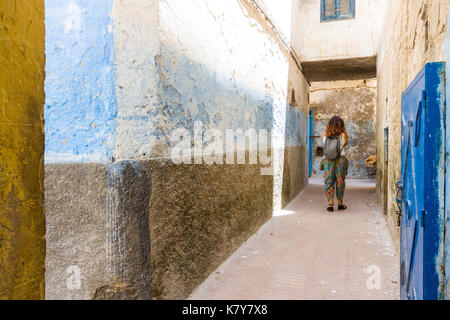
[337, 10]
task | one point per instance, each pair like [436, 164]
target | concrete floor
[308, 253]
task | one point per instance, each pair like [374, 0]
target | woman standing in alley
[335, 164]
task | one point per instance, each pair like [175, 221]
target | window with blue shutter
[337, 10]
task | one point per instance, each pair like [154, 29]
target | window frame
[337, 15]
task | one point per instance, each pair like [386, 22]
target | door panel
[422, 184]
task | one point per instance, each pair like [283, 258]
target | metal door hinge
[399, 200]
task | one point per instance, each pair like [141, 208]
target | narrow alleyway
[308, 253]
[145, 145]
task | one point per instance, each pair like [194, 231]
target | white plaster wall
[222, 36]
[342, 39]
[230, 38]
[281, 13]
[171, 45]
[136, 45]
[225, 37]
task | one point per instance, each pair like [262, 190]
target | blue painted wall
[80, 106]
[193, 92]
[296, 127]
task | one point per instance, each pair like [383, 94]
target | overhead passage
[341, 69]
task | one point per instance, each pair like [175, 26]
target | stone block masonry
[123, 221]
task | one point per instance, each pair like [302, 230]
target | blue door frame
[311, 141]
[422, 186]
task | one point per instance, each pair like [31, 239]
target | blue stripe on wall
[80, 106]
[193, 92]
[296, 127]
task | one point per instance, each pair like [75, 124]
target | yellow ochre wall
[22, 219]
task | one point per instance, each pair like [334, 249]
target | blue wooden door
[422, 185]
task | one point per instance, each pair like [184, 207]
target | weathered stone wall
[355, 103]
[414, 34]
[137, 225]
[22, 220]
[296, 154]
[223, 66]
[97, 208]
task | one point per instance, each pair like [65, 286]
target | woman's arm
[346, 139]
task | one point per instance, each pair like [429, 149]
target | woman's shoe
[342, 207]
[330, 209]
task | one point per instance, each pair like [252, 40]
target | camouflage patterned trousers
[335, 172]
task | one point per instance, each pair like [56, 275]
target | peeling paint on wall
[414, 34]
[168, 64]
[238, 79]
[80, 108]
[446, 250]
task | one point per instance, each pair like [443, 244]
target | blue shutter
[328, 10]
[337, 9]
[346, 9]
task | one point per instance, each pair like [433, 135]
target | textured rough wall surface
[80, 107]
[137, 225]
[355, 103]
[97, 208]
[136, 51]
[97, 229]
[199, 215]
[222, 66]
[296, 153]
[414, 34]
[22, 220]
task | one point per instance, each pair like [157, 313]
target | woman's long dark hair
[335, 127]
